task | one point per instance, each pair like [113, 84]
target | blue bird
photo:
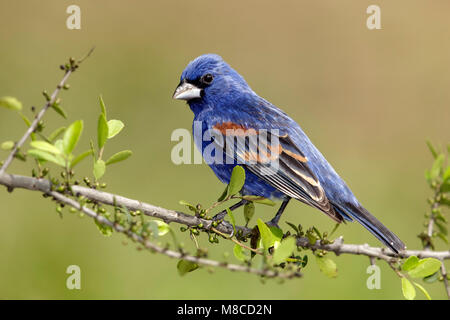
[222, 101]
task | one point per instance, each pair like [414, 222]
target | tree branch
[338, 247]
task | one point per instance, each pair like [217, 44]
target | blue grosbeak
[222, 101]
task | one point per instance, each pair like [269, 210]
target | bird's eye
[207, 78]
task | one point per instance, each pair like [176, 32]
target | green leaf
[233, 221]
[445, 187]
[259, 199]
[284, 250]
[10, 103]
[185, 266]
[163, 228]
[71, 136]
[59, 110]
[445, 201]
[55, 134]
[425, 267]
[410, 263]
[102, 105]
[45, 146]
[45, 156]
[327, 266]
[99, 169]
[432, 149]
[408, 289]
[437, 167]
[7, 145]
[293, 226]
[25, 119]
[107, 231]
[102, 131]
[443, 237]
[238, 252]
[59, 144]
[277, 234]
[115, 126]
[153, 228]
[266, 234]
[442, 227]
[432, 278]
[425, 292]
[79, 158]
[237, 180]
[119, 156]
[249, 211]
[446, 175]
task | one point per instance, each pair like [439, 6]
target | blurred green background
[368, 100]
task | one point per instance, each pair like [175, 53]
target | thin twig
[226, 236]
[170, 253]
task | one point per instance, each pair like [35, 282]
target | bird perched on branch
[223, 103]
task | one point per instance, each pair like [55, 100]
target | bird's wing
[277, 160]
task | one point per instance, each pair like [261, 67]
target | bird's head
[209, 79]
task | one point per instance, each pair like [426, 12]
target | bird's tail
[372, 224]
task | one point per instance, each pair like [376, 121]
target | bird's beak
[186, 91]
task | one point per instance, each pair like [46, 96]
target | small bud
[66, 86]
[40, 126]
[200, 225]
